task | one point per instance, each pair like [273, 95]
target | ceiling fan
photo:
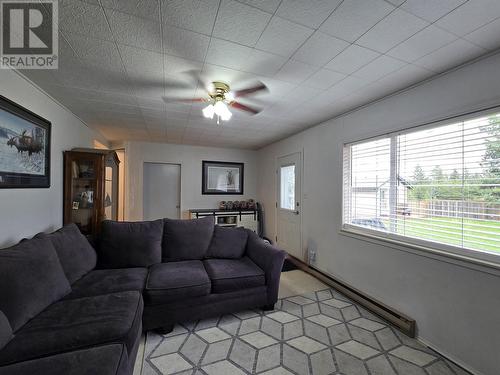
[220, 98]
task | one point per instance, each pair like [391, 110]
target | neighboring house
[373, 201]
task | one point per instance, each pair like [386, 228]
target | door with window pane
[288, 204]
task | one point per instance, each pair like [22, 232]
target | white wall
[457, 307]
[25, 212]
[190, 158]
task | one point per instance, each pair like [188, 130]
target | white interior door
[289, 205]
[161, 191]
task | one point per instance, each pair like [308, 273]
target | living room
[250, 187]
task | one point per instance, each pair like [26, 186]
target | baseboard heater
[403, 322]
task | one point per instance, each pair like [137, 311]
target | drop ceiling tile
[470, 16]
[135, 31]
[194, 15]
[295, 72]
[487, 36]
[283, 37]
[431, 10]
[378, 68]
[351, 59]
[101, 52]
[353, 18]
[83, 18]
[342, 89]
[309, 13]
[269, 6]
[319, 49]
[240, 23]
[303, 94]
[277, 88]
[184, 43]
[450, 56]
[227, 54]
[212, 73]
[175, 65]
[396, 2]
[141, 8]
[403, 78]
[139, 60]
[263, 63]
[392, 30]
[426, 41]
[323, 79]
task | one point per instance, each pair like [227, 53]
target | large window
[437, 186]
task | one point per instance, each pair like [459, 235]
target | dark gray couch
[67, 309]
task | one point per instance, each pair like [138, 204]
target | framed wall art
[220, 177]
[24, 147]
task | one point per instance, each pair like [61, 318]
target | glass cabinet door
[83, 193]
[111, 188]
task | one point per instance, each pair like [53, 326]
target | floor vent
[403, 322]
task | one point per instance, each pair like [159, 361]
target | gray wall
[24, 212]
[456, 305]
[190, 158]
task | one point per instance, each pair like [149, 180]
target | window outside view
[438, 184]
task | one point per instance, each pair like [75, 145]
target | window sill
[483, 265]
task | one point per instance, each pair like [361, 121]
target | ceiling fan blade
[248, 91]
[182, 100]
[245, 108]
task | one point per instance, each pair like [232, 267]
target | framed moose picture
[24, 147]
[219, 177]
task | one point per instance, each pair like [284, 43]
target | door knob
[297, 212]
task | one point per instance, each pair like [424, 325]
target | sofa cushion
[31, 278]
[228, 243]
[175, 281]
[130, 244]
[5, 330]
[76, 324]
[100, 282]
[75, 253]
[187, 239]
[109, 359]
[229, 275]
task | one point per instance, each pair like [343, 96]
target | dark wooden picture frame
[24, 147]
[222, 178]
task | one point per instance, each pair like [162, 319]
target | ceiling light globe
[209, 111]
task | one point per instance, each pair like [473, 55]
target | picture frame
[24, 147]
[222, 178]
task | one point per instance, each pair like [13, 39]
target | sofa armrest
[270, 259]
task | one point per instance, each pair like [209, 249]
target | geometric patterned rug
[319, 333]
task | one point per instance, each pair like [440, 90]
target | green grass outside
[451, 231]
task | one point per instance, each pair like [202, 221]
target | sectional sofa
[69, 308]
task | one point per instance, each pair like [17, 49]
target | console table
[229, 218]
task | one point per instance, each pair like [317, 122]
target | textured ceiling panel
[318, 58]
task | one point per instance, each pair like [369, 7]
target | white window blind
[439, 185]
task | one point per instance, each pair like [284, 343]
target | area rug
[318, 333]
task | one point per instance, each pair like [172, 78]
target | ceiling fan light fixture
[209, 111]
[222, 111]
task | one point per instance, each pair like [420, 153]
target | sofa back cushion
[229, 243]
[31, 278]
[75, 253]
[186, 239]
[5, 330]
[130, 244]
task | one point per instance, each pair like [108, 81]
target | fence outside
[455, 208]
